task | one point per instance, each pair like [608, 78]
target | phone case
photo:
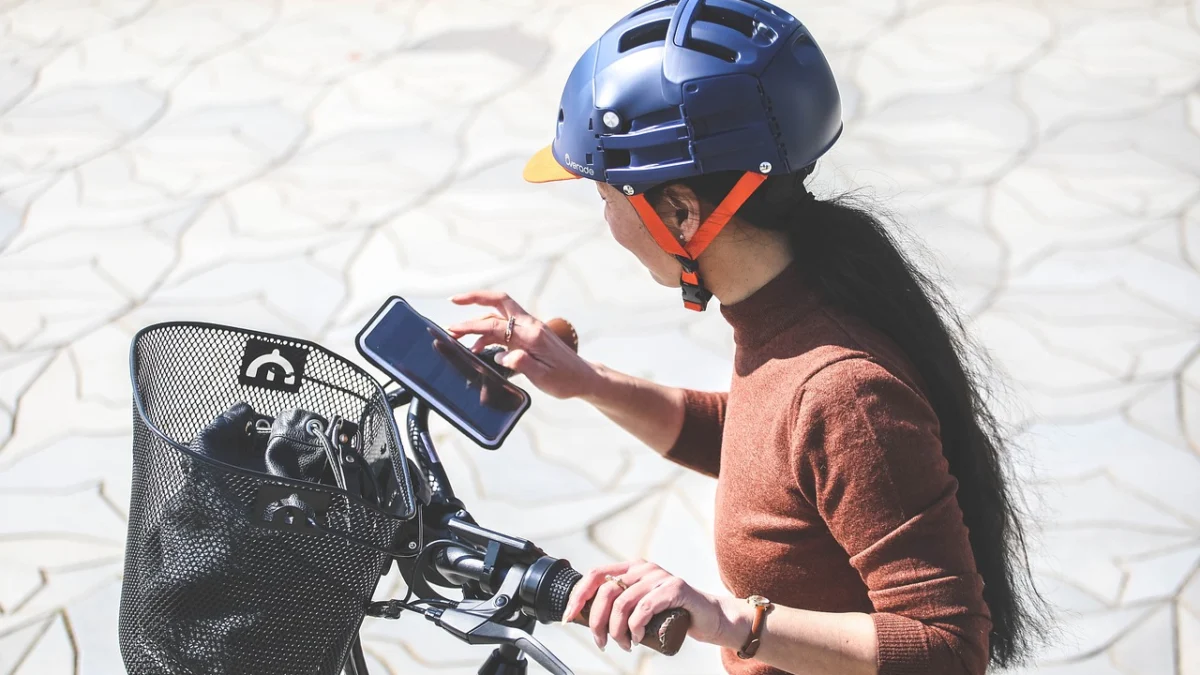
[462, 426]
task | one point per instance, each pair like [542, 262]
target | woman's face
[627, 228]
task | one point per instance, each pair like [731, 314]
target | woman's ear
[680, 211]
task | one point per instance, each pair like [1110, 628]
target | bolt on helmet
[683, 88]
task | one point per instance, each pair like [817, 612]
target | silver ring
[512, 321]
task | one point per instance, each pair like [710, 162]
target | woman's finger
[494, 330]
[485, 317]
[525, 333]
[487, 325]
[598, 616]
[485, 341]
[519, 361]
[623, 606]
[667, 594]
[586, 587]
[497, 299]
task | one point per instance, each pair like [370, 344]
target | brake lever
[479, 630]
[480, 622]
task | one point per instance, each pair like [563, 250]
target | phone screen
[443, 373]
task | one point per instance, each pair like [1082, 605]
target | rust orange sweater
[832, 491]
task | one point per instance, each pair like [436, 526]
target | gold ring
[615, 580]
[512, 321]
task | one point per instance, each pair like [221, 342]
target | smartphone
[443, 373]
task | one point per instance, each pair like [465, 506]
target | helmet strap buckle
[695, 295]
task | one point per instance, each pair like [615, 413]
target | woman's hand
[624, 613]
[533, 350]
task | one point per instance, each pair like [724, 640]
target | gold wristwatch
[762, 607]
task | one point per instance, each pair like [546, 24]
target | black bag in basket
[241, 556]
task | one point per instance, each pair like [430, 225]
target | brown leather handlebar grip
[564, 331]
[664, 633]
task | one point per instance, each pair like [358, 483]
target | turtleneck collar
[779, 304]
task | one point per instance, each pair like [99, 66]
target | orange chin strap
[695, 295]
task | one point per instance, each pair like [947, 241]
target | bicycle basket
[212, 584]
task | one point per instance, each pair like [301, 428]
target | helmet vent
[713, 49]
[654, 31]
[615, 159]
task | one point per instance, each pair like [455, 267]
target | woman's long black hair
[848, 255]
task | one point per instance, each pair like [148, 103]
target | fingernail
[599, 644]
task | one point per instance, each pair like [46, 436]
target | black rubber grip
[561, 582]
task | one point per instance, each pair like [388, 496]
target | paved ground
[287, 165]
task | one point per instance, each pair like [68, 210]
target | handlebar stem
[426, 455]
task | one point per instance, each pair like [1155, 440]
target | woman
[860, 485]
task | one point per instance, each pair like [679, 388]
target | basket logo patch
[271, 365]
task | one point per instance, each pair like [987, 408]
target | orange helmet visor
[543, 168]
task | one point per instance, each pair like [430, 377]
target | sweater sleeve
[698, 446]
[868, 455]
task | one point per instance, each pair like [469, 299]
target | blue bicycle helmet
[682, 88]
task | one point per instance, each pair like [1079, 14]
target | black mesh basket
[213, 584]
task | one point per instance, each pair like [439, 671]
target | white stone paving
[287, 165]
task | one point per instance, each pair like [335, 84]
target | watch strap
[750, 648]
